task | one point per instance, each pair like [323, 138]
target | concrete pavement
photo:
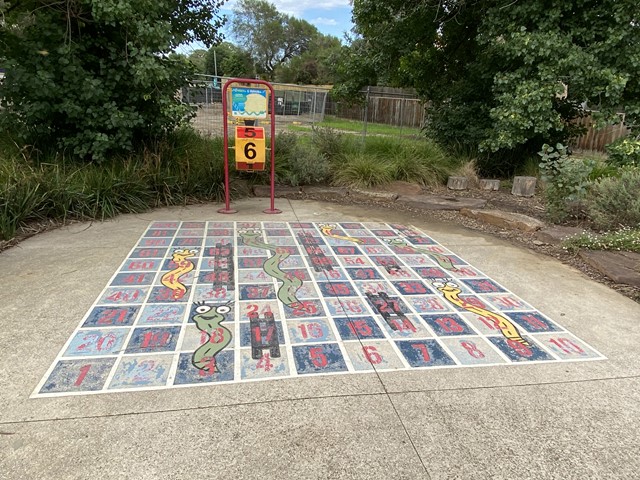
[561, 420]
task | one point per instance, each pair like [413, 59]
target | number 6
[250, 151]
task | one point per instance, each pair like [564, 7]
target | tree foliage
[273, 38]
[229, 61]
[92, 77]
[495, 71]
[316, 66]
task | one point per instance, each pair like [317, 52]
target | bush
[21, 197]
[615, 201]
[304, 165]
[566, 180]
[328, 142]
[624, 151]
[362, 171]
[419, 161]
[94, 78]
[298, 162]
[182, 168]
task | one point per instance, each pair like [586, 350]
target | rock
[401, 188]
[325, 191]
[488, 184]
[282, 191]
[555, 235]
[458, 183]
[505, 219]
[434, 202]
[372, 194]
[621, 267]
[538, 243]
[240, 186]
[524, 186]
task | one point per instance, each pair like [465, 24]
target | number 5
[318, 358]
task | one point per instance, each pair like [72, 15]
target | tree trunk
[457, 183]
[487, 184]
[524, 186]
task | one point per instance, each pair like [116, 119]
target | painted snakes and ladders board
[201, 303]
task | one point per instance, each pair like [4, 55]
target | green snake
[442, 260]
[208, 319]
[290, 284]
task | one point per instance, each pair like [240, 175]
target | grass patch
[362, 171]
[625, 239]
[381, 160]
[357, 126]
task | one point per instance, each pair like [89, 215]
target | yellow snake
[171, 279]
[327, 231]
[451, 292]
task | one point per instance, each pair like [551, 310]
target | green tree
[273, 38]
[92, 77]
[198, 57]
[229, 61]
[316, 66]
[354, 69]
[495, 71]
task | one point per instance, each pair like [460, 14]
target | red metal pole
[225, 127]
[273, 209]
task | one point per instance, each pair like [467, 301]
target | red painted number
[313, 330]
[424, 351]
[520, 349]
[131, 279]
[318, 358]
[257, 334]
[535, 323]
[217, 336]
[566, 345]
[360, 327]
[449, 325]
[83, 373]
[304, 308]
[339, 289]
[109, 317]
[472, 349]
[403, 325]
[372, 355]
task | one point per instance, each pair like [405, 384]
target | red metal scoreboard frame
[227, 208]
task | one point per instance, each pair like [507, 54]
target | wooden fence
[596, 139]
[390, 106]
[402, 107]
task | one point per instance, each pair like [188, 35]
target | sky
[331, 17]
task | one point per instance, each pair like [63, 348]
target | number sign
[250, 148]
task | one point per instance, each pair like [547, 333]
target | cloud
[323, 21]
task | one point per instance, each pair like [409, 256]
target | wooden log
[488, 184]
[524, 186]
[457, 183]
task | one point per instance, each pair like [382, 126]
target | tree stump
[524, 186]
[457, 183]
[487, 184]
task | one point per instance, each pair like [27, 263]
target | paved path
[564, 420]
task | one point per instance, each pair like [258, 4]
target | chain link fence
[294, 104]
[394, 107]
